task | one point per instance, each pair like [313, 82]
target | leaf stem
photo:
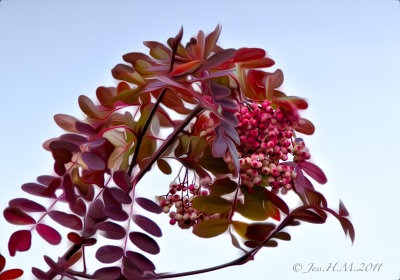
[168, 141]
[145, 127]
[239, 261]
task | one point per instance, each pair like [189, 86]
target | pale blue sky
[343, 56]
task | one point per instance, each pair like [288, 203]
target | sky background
[342, 55]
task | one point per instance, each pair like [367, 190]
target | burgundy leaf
[144, 242]
[27, 205]
[96, 210]
[85, 128]
[47, 180]
[314, 171]
[111, 230]
[308, 216]
[36, 189]
[299, 182]
[17, 217]
[122, 180]
[259, 231]
[140, 261]
[74, 138]
[49, 234]
[348, 228]
[93, 161]
[2, 262]
[342, 210]
[109, 254]
[79, 207]
[74, 238]
[19, 241]
[277, 201]
[148, 205]
[59, 144]
[219, 58]
[51, 264]
[120, 195]
[116, 213]
[39, 274]
[11, 274]
[147, 225]
[107, 273]
[67, 220]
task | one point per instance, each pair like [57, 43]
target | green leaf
[211, 228]
[223, 186]
[211, 204]
[215, 165]
[164, 166]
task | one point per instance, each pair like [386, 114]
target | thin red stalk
[47, 211]
[239, 261]
[145, 127]
[170, 139]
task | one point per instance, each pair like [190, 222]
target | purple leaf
[39, 274]
[219, 58]
[348, 228]
[147, 225]
[148, 205]
[111, 230]
[342, 210]
[122, 180]
[314, 171]
[277, 201]
[140, 261]
[27, 205]
[79, 207]
[67, 220]
[299, 182]
[74, 138]
[49, 234]
[109, 254]
[107, 273]
[85, 128]
[120, 195]
[47, 180]
[96, 210]
[144, 242]
[36, 189]
[59, 144]
[19, 241]
[116, 213]
[16, 216]
[93, 161]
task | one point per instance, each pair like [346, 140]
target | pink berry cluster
[265, 143]
[180, 195]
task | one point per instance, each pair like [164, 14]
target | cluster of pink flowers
[265, 144]
[180, 195]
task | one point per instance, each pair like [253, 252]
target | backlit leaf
[210, 228]
[140, 261]
[109, 254]
[111, 230]
[107, 273]
[67, 220]
[49, 234]
[122, 180]
[11, 274]
[314, 171]
[19, 241]
[27, 205]
[144, 242]
[223, 186]
[259, 231]
[164, 166]
[17, 217]
[211, 204]
[147, 225]
[148, 205]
